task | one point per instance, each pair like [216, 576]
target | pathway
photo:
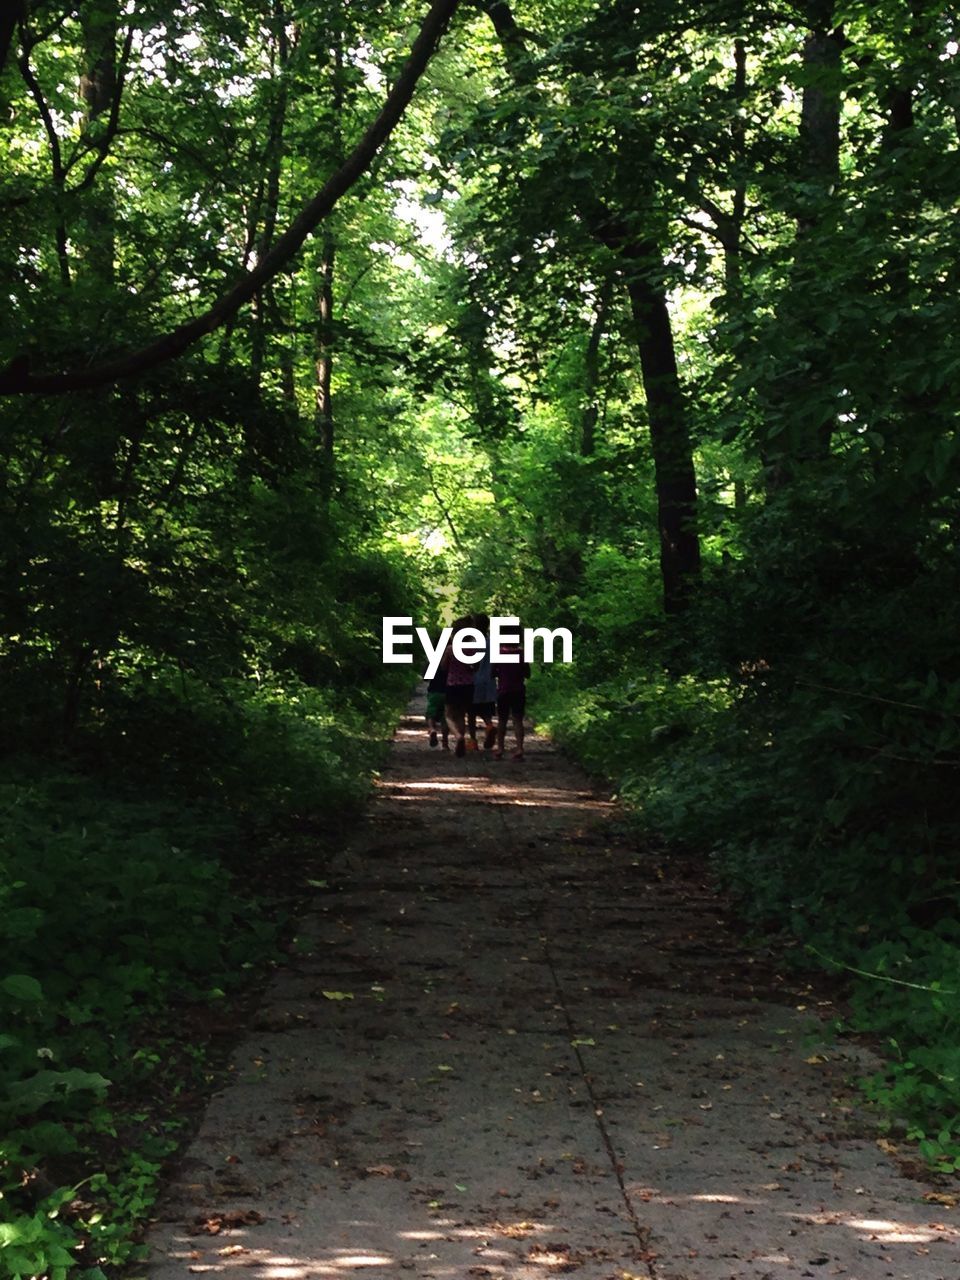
[514, 1046]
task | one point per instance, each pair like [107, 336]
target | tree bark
[57, 169]
[641, 263]
[820, 150]
[733, 248]
[323, 332]
[11, 13]
[591, 371]
[17, 378]
[676, 480]
[818, 176]
[820, 107]
[273, 161]
[98, 89]
[324, 361]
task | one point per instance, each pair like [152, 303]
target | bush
[133, 900]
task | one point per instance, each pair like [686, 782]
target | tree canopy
[642, 319]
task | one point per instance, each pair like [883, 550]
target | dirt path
[513, 1046]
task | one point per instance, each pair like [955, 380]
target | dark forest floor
[511, 1044]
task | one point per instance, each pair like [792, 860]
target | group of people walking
[462, 694]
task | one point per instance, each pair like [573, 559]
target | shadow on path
[514, 1046]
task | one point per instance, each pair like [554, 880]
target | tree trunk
[820, 172]
[733, 242]
[73, 694]
[12, 12]
[323, 333]
[273, 161]
[820, 108]
[324, 362]
[98, 86]
[674, 472]
[591, 371]
[641, 263]
[818, 175]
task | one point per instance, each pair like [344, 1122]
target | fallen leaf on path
[387, 1171]
[213, 1224]
[946, 1198]
[337, 995]
[513, 1230]
[555, 1256]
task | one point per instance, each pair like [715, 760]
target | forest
[641, 319]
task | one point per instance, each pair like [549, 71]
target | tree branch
[17, 379]
[56, 154]
[103, 144]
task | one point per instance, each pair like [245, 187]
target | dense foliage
[788, 186]
[644, 320]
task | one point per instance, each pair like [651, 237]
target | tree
[17, 378]
[617, 220]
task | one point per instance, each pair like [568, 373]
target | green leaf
[44, 1086]
[23, 988]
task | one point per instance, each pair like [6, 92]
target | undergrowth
[129, 922]
[824, 816]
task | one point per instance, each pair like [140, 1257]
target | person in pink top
[511, 699]
[459, 693]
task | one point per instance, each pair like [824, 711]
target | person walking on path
[436, 708]
[484, 692]
[459, 691]
[511, 699]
